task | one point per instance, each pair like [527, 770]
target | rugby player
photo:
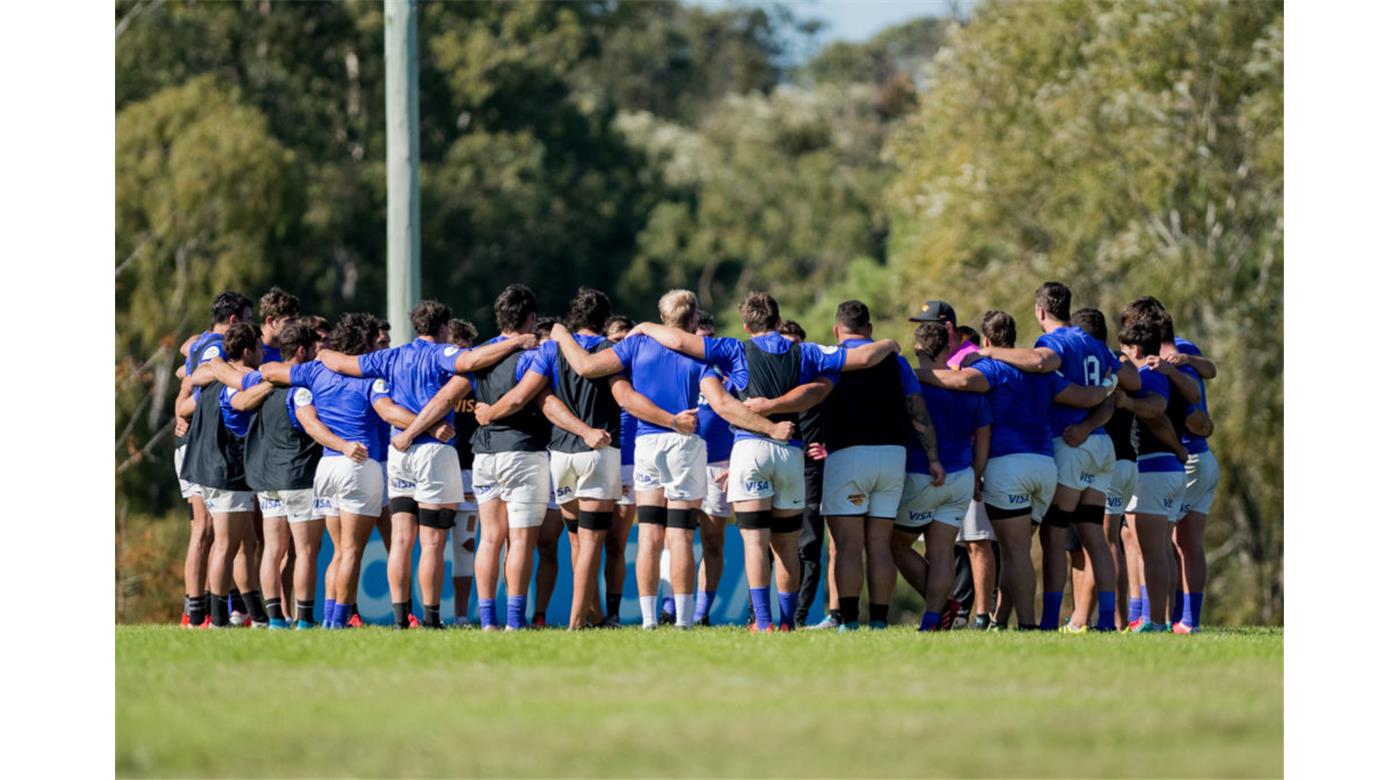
[935, 513]
[715, 509]
[425, 479]
[812, 537]
[227, 309]
[1019, 482]
[670, 466]
[215, 462]
[868, 417]
[463, 335]
[774, 377]
[547, 543]
[1084, 456]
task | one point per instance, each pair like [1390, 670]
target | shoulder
[1187, 346]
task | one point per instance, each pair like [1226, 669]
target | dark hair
[543, 325]
[239, 339]
[315, 322]
[589, 309]
[853, 316]
[513, 308]
[705, 320]
[383, 323]
[759, 312]
[229, 304]
[1054, 298]
[1142, 333]
[999, 328]
[278, 303]
[428, 318]
[931, 338]
[354, 333]
[970, 335]
[1091, 321]
[461, 331]
[618, 320]
[1142, 307]
[297, 334]
[792, 328]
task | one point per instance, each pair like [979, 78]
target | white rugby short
[1202, 476]
[228, 501]
[594, 474]
[976, 526]
[1086, 467]
[520, 479]
[627, 497]
[763, 468]
[428, 472]
[384, 472]
[1020, 481]
[465, 528]
[924, 502]
[1121, 487]
[187, 489]
[295, 505]
[346, 487]
[1158, 493]
[673, 463]
[863, 480]
[716, 503]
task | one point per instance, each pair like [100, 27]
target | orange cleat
[354, 622]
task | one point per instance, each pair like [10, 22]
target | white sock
[685, 609]
[664, 584]
[648, 610]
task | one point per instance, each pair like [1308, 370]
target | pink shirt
[955, 359]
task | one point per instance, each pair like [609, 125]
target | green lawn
[708, 702]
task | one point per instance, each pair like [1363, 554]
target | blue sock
[668, 606]
[342, 616]
[762, 613]
[486, 609]
[327, 613]
[1134, 608]
[1194, 603]
[1050, 611]
[1146, 605]
[515, 611]
[931, 621]
[787, 607]
[1108, 605]
[1178, 606]
[703, 603]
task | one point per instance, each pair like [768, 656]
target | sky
[859, 20]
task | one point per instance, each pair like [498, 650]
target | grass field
[708, 702]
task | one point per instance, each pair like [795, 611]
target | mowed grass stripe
[371, 702]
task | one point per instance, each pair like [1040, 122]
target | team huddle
[941, 469]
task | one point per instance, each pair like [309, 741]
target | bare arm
[674, 339]
[641, 407]
[185, 404]
[925, 433]
[277, 373]
[967, 380]
[469, 360]
[590, 365]
[339, 362]
[253, 397]
[867, 355]
[1203, 365]
[1128, 377]
[981, 448]
[1037, 360]
[559, 415]
[455, 390]
[317, 430]
[736, 414]
[1199, 423]
[1076, 434]
[1180, 382]
[1144, 408]
[1162, 428]
[222, 372]
[392, 413]
[798, 399]
[1082, 397]
[524, 391]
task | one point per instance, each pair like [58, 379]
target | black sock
[208, 603]
[614, 604]
[432, 615]
[236, 602]
[306, 610]
[880, 612]
[219, 616]
[401, 614]
[1028, 626]
[195, 605]
[537, 617]
[274, 609]
[835, 614]
[850, 608]
[253, 603]
[983, 620]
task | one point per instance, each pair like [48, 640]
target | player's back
[670, 379]
[1020, 402]
[956, 417]
[866, 407]
[342, 403]
[1084, 360]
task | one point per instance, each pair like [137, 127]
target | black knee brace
[997, 513]
[651, 515]
[441, 519]
[595, 521]
[403, 505]
[787, 525]
[1089, 514]
[754, 521]
[571, 525]
[682, 518]
[1056, 517]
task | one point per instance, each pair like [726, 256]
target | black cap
[936, 311]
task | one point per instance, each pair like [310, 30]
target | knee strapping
[1056, 517]
[651, 515]
[595, 521]
[754, 521]
[682, 518]
[403, 505]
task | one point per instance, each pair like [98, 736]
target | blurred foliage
[1126, 148]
